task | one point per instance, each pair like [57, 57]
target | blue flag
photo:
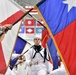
[53, 53]
[19, 46]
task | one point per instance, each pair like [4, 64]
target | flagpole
[17, 21]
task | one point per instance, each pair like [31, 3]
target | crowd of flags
[31, 26]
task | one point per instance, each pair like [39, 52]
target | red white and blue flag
[60, 20]
[9, 14]
[34, 11]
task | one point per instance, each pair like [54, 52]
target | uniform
[35, 60]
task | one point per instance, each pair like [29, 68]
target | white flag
[9, 14]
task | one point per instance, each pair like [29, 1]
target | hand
[6, 27]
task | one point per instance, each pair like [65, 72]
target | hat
[37, 36]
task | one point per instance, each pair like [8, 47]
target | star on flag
[71, 3]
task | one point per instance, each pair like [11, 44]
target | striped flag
[8, 15]
[34, 11]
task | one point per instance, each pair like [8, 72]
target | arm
[5, 28]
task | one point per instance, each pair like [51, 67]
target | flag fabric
[23, 22]
[19, 46]
[53, 52]
[60, 20]
[10, 72]
[34, 11]
[22, 29]
[29, 30]
[39, 30]
[29, 22]
[45, 37]
[38, 24]
[8, 15]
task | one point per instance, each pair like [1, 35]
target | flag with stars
[59, 17]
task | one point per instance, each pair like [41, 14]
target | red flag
[38, 24]
[29, 30]
[45, 37]
[29, 22]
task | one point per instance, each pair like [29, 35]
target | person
[16, 59]
[37, 58]
[5, 28]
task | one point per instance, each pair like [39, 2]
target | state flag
[34, 11]
[38, 24]
[39, 30]
[29, 30]
[29, 22]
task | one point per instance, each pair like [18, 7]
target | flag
[8, 15]
[39, 30]
[38, 24]
[29, 22]
[22, 29]
[29, 30]
[23, 22]
[19, 46]
[45, 37]
[53, 52]
[34, 11]
[60, 20]
[10, 72]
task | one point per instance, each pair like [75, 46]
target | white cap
[37, 36]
